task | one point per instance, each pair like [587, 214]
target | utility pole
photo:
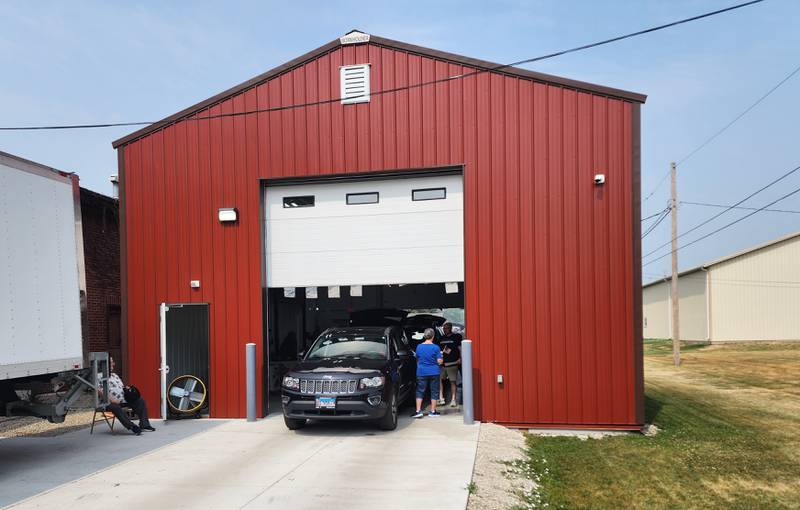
[676, 341]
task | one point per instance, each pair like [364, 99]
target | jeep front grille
[328, 387]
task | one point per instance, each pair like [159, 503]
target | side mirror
[301, 354]
[402, 353]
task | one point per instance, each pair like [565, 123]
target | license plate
[326, 402]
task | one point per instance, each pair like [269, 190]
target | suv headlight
[292, 383]
[371, 382]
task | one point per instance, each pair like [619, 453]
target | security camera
[600, 178]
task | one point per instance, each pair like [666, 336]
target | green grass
[724, 442]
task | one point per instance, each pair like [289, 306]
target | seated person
[116, 399]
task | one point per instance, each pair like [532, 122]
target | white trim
[164, 368]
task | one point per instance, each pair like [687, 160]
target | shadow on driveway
[31, 465]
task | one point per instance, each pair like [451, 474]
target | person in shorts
[450, 344]
[429, 358]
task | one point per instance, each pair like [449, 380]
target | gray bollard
[466, 382]
[250, 358]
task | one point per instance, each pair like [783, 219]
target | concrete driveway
[424, 463]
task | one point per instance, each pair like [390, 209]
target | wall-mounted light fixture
[227, 215]
[599, 179]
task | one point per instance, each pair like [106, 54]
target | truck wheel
[294, 424]
[389, 420]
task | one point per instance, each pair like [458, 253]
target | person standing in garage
[450, 344]
[429, 358]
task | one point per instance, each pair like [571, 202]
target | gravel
[496, 482]
[28, 426]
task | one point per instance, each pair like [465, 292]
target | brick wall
[100, 216]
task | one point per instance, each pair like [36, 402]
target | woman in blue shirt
[429, 357]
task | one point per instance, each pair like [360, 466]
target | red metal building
[552, 271]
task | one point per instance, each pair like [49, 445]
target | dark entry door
[185, 344]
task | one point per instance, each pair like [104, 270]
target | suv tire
[389, 420]
[294, 424]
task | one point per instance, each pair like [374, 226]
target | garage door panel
[418, 230]
[304, 270]
[396, 240]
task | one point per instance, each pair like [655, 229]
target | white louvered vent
[354, 82]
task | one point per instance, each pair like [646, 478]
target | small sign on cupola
[354, 37]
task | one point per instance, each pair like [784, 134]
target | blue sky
[89, 62]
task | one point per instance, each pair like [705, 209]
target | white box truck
[42, 283]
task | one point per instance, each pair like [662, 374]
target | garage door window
[362, 198]
[303, 201]
[429, 194]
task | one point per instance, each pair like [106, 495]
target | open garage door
[365, 232]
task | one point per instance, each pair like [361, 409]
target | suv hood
[339, 366]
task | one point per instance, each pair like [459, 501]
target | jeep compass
[351, 373]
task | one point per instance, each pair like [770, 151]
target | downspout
[708, 303]
[669, 306]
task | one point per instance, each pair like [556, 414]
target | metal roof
[726, 258]
[391, 44]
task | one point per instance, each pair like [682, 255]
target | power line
[663, 179]
[734, 222]
[406, 87]
[725, 128]
[664, 215]
[746, 110]
[654, 215]
[738, 207]
[712, 218]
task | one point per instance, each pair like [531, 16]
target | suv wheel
[294, 424]
[389, 420]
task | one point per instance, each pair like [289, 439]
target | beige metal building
[750, 295]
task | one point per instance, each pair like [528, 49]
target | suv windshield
[340, 344]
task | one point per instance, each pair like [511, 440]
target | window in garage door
[394, 240]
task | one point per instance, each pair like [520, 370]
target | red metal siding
[549, 285]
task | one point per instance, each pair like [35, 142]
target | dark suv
[351, 373]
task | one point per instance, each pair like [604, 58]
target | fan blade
[190, 384]
[176, 392]
[183, 405]
[196, 397]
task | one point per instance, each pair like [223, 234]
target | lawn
[730, 437]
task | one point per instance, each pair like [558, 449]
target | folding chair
[108, 417]
[105, 415]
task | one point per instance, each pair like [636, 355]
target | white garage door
[367, 232]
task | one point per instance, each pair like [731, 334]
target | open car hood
[378, 317]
